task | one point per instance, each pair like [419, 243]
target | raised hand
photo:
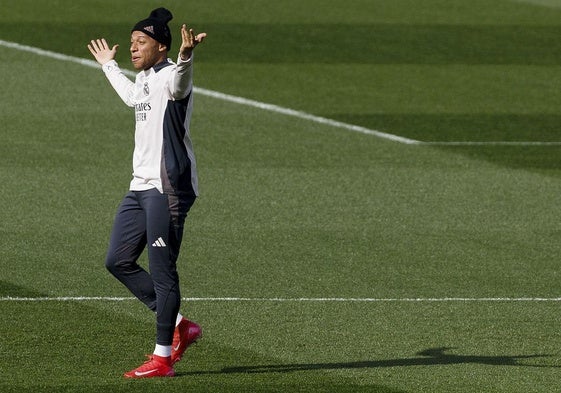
[189, 41]
[101, 51]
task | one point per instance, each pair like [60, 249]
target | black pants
[149, 218]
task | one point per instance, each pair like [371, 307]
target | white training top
[163, 155]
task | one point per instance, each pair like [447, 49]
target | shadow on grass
[428, 357]
[8, 289]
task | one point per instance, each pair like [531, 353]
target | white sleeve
[182, 78]
[122, 85]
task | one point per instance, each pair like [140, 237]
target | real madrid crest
[146, 89]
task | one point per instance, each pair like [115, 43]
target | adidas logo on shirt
[159, 243]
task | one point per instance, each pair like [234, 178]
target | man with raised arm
[164, 181]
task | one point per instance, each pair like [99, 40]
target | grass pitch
[293, 209]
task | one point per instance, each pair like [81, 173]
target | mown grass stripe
[283, 110]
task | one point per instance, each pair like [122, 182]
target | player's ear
[162, 47]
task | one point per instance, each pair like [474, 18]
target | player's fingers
[102, 44]
[94, 45]
[184, 34]
[191, 36]
[200, 37]
[98, 45]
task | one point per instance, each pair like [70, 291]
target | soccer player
[164, 183]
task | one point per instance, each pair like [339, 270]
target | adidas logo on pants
[159, 243]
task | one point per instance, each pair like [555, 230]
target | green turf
[312, 347]
[290, 208]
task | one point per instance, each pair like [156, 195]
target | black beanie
[156, 26]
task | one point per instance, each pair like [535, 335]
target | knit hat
[156, 26]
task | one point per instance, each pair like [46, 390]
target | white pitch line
[225, 97]
[306, 116]
[493, 143]
[286, 300]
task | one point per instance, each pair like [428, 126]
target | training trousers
[153, 220]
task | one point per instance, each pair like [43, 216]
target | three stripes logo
[159, 243]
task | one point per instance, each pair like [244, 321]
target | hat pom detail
[161, 14]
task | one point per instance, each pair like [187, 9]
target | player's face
[146, 51]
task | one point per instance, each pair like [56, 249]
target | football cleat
[185, 334]
[155, 366]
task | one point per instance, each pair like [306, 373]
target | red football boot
[185, 334]
[155, 366]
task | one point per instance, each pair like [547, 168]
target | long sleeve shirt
[162, 98]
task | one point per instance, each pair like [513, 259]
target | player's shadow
[428, 357]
